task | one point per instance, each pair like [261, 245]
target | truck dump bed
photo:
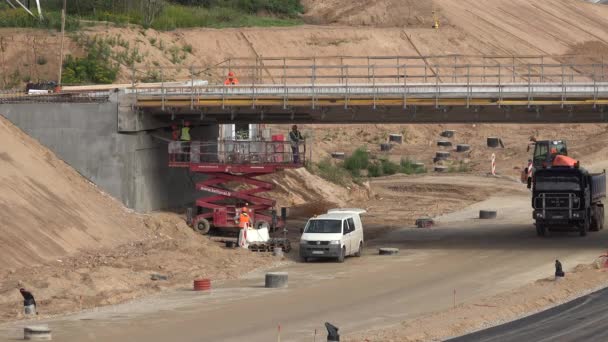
[598, 186]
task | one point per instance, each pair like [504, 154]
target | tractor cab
[545, 152]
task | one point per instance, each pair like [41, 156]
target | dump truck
[566, 197]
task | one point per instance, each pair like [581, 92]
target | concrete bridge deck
[420, 102]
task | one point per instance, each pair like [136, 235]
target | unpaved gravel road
[473, 257]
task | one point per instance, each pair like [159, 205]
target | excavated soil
[76, 248]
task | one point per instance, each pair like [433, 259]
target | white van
[337, 234]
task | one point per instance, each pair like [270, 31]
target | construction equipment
[567, 197]
[239, 163]
[45, 87]
[545, 152]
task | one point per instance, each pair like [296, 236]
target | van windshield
[324, 226]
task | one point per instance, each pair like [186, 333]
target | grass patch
[161, 14]
[329, 171]
[17, 17]
[382, 167]
[408, 167]
[177, 16]
[461, 166]
[358, 161]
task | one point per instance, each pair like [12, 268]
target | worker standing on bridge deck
[295, 137]
[185, 141]
[231, 80]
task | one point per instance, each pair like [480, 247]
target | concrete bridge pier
[113, 146]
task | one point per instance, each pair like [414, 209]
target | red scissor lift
[237, 162]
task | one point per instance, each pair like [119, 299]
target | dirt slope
[76, 247]
[48, 210]
[410, 13]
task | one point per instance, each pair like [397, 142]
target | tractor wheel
[202, 226]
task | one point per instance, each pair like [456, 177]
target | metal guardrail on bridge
[392, 81]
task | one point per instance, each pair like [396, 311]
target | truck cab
[337, 234]
[568, 199]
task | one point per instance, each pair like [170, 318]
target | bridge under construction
[397, 89]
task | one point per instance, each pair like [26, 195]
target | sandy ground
[77, 248]
[465, 318]
[478, 259]
[48, 210]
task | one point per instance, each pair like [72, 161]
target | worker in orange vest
[231, 80]
[244, 219]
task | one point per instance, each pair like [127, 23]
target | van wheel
[358, 254]
[342, 255]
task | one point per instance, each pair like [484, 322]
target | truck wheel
[584, 228]
[358, 254]
[202, 226]
[601, 218]
[595, 224]
[541, 229]
[342, 255]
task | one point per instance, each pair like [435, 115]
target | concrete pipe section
[444, 143]
[441, 155]
[448, 133]
[338, 155]
[388, 251]
[385, 147]
[487, 214]
[37, 333]
[396, 138]
[276, 280]
[493, 141]
[462, 147]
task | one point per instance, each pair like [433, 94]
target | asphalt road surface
[477, 258]
[583, 319]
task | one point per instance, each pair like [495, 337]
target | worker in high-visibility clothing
[231, 80]
[244, 219]
[185, 141]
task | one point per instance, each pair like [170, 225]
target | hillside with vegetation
[167, 39]
[159, 14]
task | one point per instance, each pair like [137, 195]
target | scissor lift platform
[232, 168]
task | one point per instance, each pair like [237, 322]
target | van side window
[351, 223]
[345, 229]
